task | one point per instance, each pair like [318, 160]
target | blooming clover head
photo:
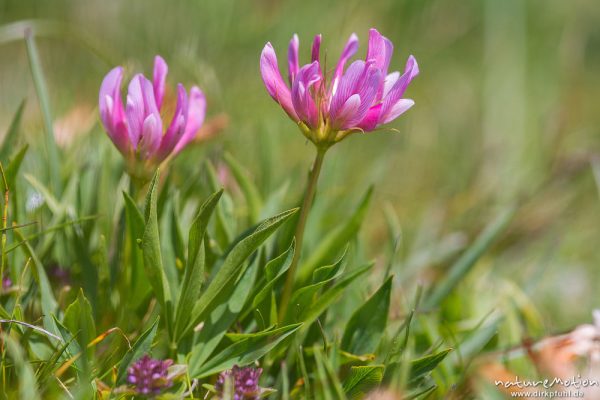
[136, 128]
[149, 376]
[359, 98]
[245, 382]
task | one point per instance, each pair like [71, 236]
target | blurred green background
[507, 109]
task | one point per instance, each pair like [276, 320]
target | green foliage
[194, 270]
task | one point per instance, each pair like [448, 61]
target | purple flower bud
[360, 98]
[6, 282]
[149, 375]
[136, 128]
[245, 382]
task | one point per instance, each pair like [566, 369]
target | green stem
[309, 195]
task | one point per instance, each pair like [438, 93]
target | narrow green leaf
[223, 312]
[152, 253]
[464, 264]
[12, 134]
[274, 270]
[424, 365]
[39, 83]
[334, 242]
[328, 297]
[142, 346]
[232, 265]
[243, 352]
[366, 326]
[139, 284]
[79, 319]
[361, 379]
[194, 270]
[28, 388]
[248, 188]
[48, 301]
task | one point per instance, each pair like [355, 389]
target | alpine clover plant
[327, 109]
[194, 293]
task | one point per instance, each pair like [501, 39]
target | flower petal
[399, 108]
[397, 91]
[389, 82]
[302, 99]
[293, 64]
[195, 118]
[177, 127]
[347, 86]
[151, 136]
[159, 77]
[112, 113]
[273, 81]
[349, 50]
[380, 50]
[316, 49]
[135, 110]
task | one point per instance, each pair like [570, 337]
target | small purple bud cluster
[6, 282]
[149, 375]
[245, 382]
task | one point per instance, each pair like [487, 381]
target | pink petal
[371, 120]
[397, 91]
[135, 110]
[347, 111]
[293, 64]
[273, 81]
[151, 136]
[111, 110]
[177, 127]
[380, 50]
[302, 99]
[316, 49]
[159, 77]
[195, 118]
[347, 86]
[368, 93]
[389, 82]
[349, 50]
[399, 108]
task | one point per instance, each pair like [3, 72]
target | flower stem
[309, 195]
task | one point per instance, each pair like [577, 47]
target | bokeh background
[507, 111]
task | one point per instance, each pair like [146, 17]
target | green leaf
[424, 365]
[194, 270]
[231, 267]
[48, 302]
[366, 326]
[328, 297]
[152, 253]
[12, 134]
[139, 284]
[79, 319]
[243, 352]
[362, 379]
[464, 264]
[74, 348]
[248, 188]
[333, 243]
[223, 225]
[28, 389]
[224, 311]
[141, 347]
[39, 82]
[274, 270]
[303, 298]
